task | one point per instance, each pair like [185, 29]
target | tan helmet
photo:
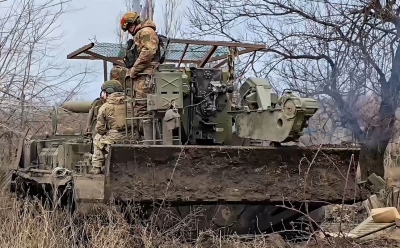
[112, 86]
[129, 18]
[115, 72]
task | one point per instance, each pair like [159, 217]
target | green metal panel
[168, 91]
[223, 129]
[74, 152]
[225, 75]
[29, 151]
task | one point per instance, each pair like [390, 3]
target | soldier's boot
[148, 131]
[96, 168]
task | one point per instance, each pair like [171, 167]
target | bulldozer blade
[210, 174]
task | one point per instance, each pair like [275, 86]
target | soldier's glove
[87, 134]
[133, 74]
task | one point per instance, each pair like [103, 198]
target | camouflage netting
[174, 51]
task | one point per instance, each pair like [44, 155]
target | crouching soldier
[110, 124]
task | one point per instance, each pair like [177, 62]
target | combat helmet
[112, 86]
[129, 18]
[118, 73]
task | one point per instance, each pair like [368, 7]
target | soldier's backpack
[132, 53]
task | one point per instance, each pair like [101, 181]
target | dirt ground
[387, 243]
[276, 241]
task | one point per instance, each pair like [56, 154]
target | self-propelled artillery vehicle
[205, 151]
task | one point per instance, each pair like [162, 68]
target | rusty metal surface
[218, 43]
[80, 50]
[233, 174]
[207, 56]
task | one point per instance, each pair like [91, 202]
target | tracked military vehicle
[205, 152]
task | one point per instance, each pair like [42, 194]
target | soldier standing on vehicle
[146, 42]
[110, 124]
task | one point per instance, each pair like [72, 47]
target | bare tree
[31, 77]
[343, 50]
[172, 20]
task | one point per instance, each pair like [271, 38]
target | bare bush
[32, 76]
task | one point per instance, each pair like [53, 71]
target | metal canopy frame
[178, 51]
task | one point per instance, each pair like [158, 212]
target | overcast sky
[96, 18]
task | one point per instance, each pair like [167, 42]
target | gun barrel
[77, 106]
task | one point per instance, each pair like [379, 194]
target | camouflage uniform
[116, 73]
[93, 112]
[146, 43]
[110, 125]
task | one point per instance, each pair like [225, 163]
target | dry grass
[29, 225]
[26, 224]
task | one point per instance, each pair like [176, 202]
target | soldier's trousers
[101, 146]
[142, 87]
